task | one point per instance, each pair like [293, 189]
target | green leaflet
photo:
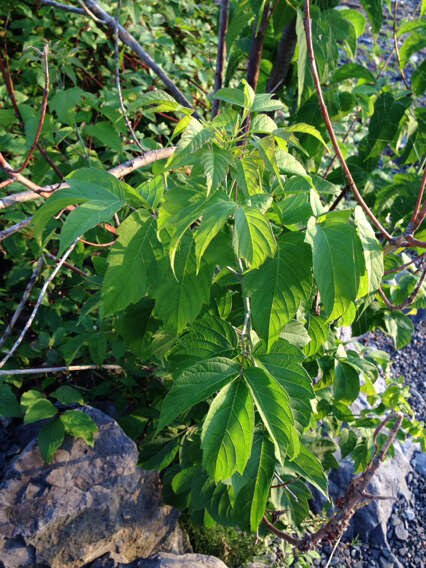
[50, 438]
[346, 382]
[195, 384]
[338, 263]
[273, 405]
[98, 194]
[215, 164]
[214, 218]
[246, 174]
[352, 71]
[251, 500]
[310, 468]
[284, 363]
[400, 328]
[318, 332]
[227, 434]
[279, 286]
[42, 408]
[180, 295]
[374, 11]
[67, 395]
[253, 238]
[414, 42]
[80, 425]
[373, 253]
[132, 253]
[9, 405]
[208, 337]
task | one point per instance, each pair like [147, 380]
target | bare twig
[339, 198]
[324, 111]
[395, 42]
[257, 41]
[408, 301]
[21, 305]
[42, 112]
[6, 182]
[221, 52]
[117, 81]
[119, 171]
[348, 131]
[110, 243]
[65, 7]
[60, 369]
[37, 305]
[14, 228]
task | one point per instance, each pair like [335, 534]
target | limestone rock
[167, 560]
[88, 502]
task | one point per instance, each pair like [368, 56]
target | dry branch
[60, 369]
[21, 305]
[408, 301]
[119, 171]
[37, 305]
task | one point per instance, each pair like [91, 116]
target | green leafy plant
[236, 258]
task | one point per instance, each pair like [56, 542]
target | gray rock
[168, 560]
[401, 532]
[420, 463]
[88, 502]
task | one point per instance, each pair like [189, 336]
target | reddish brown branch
[408, 301]
[6, 182]
[324, 111]
[258, 38]
[417, 213]
[42, 112]
[339, 198]
[7, 77]
[221, 52]
[402, 266]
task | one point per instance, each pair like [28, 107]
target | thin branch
[21, 305]
[221, 52]
[18, 177]
[10, 89]
[67, 264]
[402, 266]
[413, 224]
[42, 112]
[131, 42]
[324, 111]
[408, 301]
[6, 182]
[348, 131]
[339, 197]
[60, 369]
[37, 305]
[65, 7]
[110, 243]
[14, 228]
[117, 81]
[395, 42]
[119, 171]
